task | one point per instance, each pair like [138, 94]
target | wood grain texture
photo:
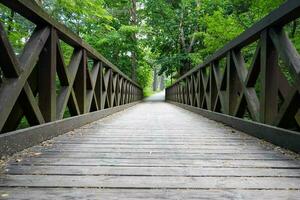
[39, 85]
[137, 194]
[153, 150]
[250, 91]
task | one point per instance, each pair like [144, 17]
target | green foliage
[148, 91]
[185, 33]
[144, 73]
[106, 26]
[172, 36]
[18, 29]
[84, 17]
[220, 29]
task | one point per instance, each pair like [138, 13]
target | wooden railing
[28, 86]
[267, 90]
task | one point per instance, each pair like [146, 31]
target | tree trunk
[39, 2]
[154, 79]
[11, 19]
[133, 66]
[162, 82]
[133, 13]
[186, 66]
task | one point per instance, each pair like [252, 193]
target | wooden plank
[217, 143]
[80, 83]
[152, 160]
[287, 51]
[15, 141]
[11, 89]
[150, 182]
[152, 171]
[138, 194]
[153, 147]
[47, 78]
[90, 138]
[282, 137]
[143, 150]
[156, 145]
[248, 94]
[164, 162]
[30, 106]
[17, 113]
[161, 155]
[269, 80]
[67, 77]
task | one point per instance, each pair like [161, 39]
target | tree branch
[181, 36]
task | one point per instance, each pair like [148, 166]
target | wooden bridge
[116, 146]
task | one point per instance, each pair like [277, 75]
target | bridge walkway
[153, 150]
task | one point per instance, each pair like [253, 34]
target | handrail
[279, 17]
[262, 92]
[28, 87]
[31, 11]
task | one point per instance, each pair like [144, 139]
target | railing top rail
[31, 11]
[279, 17]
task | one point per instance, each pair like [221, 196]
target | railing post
[269, 80]
[228, 86]
[80, 83]
[213, 90]
[47, 78]
[98, 85]
[109, 89]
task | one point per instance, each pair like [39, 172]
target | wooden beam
[11, 89]
[269, 80]
[47, 78]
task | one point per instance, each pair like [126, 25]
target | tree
[185, 32]
[133, 22]
[111, 27]
[141, 36]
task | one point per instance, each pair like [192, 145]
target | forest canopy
[145, 36]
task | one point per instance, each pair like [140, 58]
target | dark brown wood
[248, 99]
[8, 62]
[40, 86]
[286, 13]
[47, 78]
[67, 77]
[11, 89]
[80, 83]
[98, 85]
[286, 49]
[32, 11]
[16, 141]
[278, 136]
[30, 107]
[166, 151]
[266, 91]
[269, 80]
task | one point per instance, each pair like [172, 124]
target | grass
[148, 91]
[23, 124]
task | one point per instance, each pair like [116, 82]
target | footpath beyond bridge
[153, 150]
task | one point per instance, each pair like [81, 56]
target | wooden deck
[153, 150]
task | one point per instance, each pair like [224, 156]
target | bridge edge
[19, 140]
[281, 137]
